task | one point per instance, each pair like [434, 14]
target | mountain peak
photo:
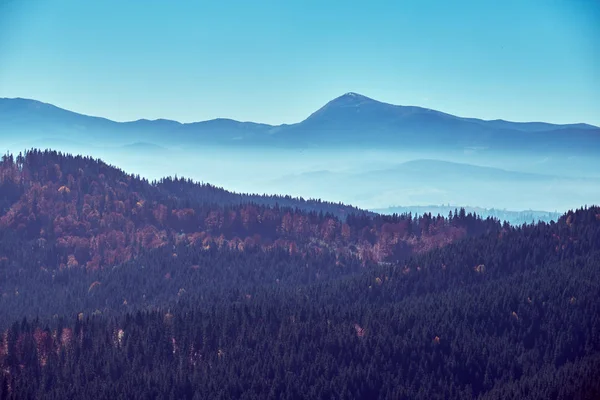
[353, 97]
[350, 99]
[345, 106]
[353, 94]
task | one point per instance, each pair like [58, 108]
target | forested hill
[188, 192]
[76, 212]
[51, 166]
[115, 287]
[509, 314]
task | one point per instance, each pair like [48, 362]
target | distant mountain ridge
[428, 181]
[516, 218]
[349, 120]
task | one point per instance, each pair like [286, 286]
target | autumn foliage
[95, 216]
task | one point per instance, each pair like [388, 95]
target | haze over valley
[354, 149]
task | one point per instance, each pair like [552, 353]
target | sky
[279, 61]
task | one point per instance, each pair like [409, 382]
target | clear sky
[278, 61]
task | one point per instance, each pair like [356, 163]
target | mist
[368, 178]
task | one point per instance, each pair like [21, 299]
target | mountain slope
[510, 314]
[93, 215]
[68, 222]
[356, 119]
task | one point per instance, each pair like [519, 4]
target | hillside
[510, 314]
[80, 219]
[98, 215]
[117, 286]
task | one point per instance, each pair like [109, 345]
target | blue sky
[278, 61]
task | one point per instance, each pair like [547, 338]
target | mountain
[529, 126]
[23, 118]
[356, 119]
[426, 181]
[446, 170]
[348, 121]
